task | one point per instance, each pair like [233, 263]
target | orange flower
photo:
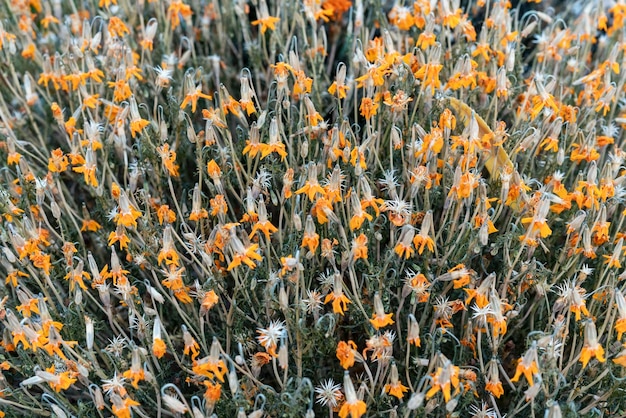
[380, 319]
[158, 348]
[445, 378]
[76, 276]
[413, 334]
[218, 205]
[494, 385]
[404, 248]
[121, 90]
[121, 406]
[395, 387]
[265, 20]
[359, 215]
[336, 7]
[423, 239]
[345, 353]
[268, 22]
[353, 406]
[90, 225]
[119, 235]
[584, 152]
[137, 124]
[340, 301]
[527, 366]
[213, 392]
[192, 96]
[213, 169]
[429, 74]
[591, 347]
[197, 211]
[312, 186]
[613, 259]
[165, 214]
[117, 27]
[241, 254]
[311, 239]
[88, 169]
[58, 162]
[322, 210]
[168, 159]
[177, 9]
[368, 108]
[58, 382]
[359, 247]
[158, 345]
[168, 250]
[428, 38]
[212, 366]
[127, 214]
[209, 300]
[263, 224]
[174, 282]
[620, 324]
[621, 359]
[136, 371]
[41, 261]
[275, 144]
[191, 346]
[339, 87]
